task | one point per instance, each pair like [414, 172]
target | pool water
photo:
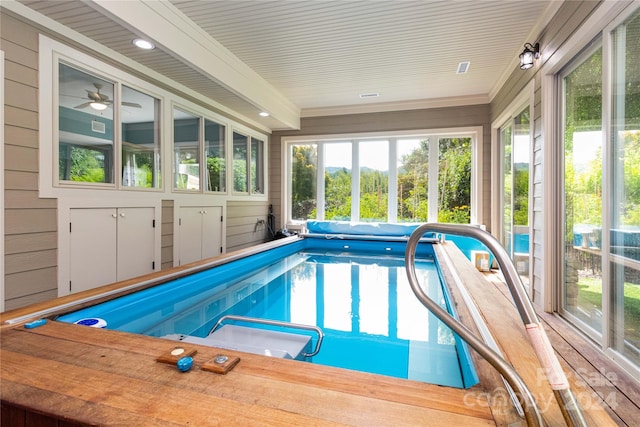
[361, 300]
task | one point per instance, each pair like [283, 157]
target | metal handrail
[541, 344]
[274, 323]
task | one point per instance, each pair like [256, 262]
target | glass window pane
[140, 118]
[521, 149]
[214, 151]
[583, 190]
[186, 147]
[85, 127]
[257, 166]
[625, 233]
[454, 180]
[337, 181]
[374, 180]
[413, 179]
[240, 163]
[506, 139]
[304, 170]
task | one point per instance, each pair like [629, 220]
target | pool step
[253, 340]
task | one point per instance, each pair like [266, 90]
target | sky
[373, 154]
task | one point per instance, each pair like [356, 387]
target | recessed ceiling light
[144, 44]
[264, 114]
[463, 67]
[370, 95]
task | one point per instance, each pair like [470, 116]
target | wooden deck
[94, 376]
[68, 375]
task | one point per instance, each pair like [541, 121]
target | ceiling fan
[100, 101]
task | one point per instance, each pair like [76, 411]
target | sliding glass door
[601, 179]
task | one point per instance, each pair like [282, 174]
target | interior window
[141, 154]
[240, 163]
[186, 148]
[85, 127]
[257, 166]
[215, 152]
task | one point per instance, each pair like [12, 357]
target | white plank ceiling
[315, 57]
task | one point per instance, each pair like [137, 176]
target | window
[248, 164]
[337, 181]
[85, 127]
[141, 166]
[257, 169]
[87, 140]
[515, 147]
[186, 150]
[374, 180]
[240, 163]
[215, 155]
[303, 173]
[601, 177]
[412, 165]
[389, 179]
[190, 147]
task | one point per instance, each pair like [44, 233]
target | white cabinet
[109, 244]
[200, 233]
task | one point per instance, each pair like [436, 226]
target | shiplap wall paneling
[30, 222]
[242, 228]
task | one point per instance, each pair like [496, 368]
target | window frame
[474, 132]
[50, 53]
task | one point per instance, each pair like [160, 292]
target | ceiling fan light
[98, 106]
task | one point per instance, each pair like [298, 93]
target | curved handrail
[274, 323]
[541, 344]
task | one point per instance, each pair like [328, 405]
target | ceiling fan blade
[131, 104]
[85, 105]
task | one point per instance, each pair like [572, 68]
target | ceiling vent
[463, 67]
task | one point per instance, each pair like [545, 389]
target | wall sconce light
[529, 55]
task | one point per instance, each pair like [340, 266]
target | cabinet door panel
[92, 260]
[211, 231]
[190, 234]
[135, 242]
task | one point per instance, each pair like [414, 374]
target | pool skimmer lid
[94, 322]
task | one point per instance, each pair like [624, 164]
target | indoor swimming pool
[355, 291]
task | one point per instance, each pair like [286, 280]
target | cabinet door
[136, 237]
[190, 223]
[92, 251]
[211, 231]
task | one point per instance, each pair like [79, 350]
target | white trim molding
[1, 181]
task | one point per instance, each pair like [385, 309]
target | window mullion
[392, 201]
[355, 180]
[433, 177]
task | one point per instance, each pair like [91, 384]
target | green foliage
[304, 171]
[413, 172]
[216, 167]
[338, 195]
[85, 165]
